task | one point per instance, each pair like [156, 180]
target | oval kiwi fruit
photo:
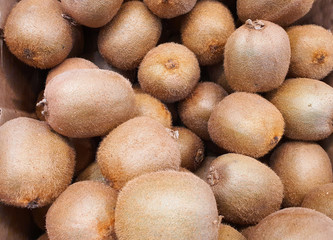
[229, 233]
[257, 57]
[37, 164]
[37, 34]
[246, 123]
[307, 108]
[205, 31]
[129, 36]
[85, 103]
[311, 51]
[169, 72]
[166, 205]
[85, 210]
[92, 173]
[170, 9]
[301, 166]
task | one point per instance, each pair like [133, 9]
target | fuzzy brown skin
[196, 109]
[203, 171]
[307, 108]
[39, 216]
[166, 205]
[169, 72]
[301, 166]
[192, 149]
[280, 12]
[216, 74]
[229, 233]
[246, 123]
[138, 146]
[37, 164]
[43, 237]
[170, 9]
[85, 103]
[129, 36]
[70, 64]
[205, 31]
[85, 149]
[241, 196]
[85, 210]
[294, 223]
[37, 34]
[257, 57]
[91, 13]
[92, 173]
[311, 51]
[247, 231]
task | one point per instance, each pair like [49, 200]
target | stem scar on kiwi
[43, 103]
[70, 19]
[257, 24]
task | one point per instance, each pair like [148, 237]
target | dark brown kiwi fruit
[170, 9]
[37, 34]
[229, 233]
[37, 164]
[93, 173]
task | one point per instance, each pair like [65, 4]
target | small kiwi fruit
[311, 51]
[301, 166]
[37, 164]
[170, 9]
[246, 123]
[43, 237]
[85, 210]
[129, 36]
[37, 34]
[203, 171]
[138, 146]
[307, 108]
[39, 216]
[169, 72]
[227, 232]
[166, 205]
[196, 109]
[92, 173]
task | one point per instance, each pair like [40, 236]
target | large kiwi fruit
[37, 164]
[227, 232]
[85, 210]
[92, 173]
[170, 9]
[307, 108]
[301, 166]
[37, 34]
[166, 205]
[246, 123]
[138, 146]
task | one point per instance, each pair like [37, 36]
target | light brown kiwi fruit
[85, 149]
[170, 9]
[39, 216]
[280, 12]
[203, 171]
[294, 223]
[90, 13]
[196, 109]
[205, 31]
[245, 189]
[229, 233]
[37, 34]
[93, 173]
[37, 164]
[166, 205]
[216, 74]
[246, 123]
[257, 57]
[138, 146]
[85, 210]
[307, 108]
[311, 51]
[43, 237]
[169, 72]
[85, 103]
[192, 149]
[129, 36]
[301, 166]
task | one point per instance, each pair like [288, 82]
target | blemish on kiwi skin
[275, 140]
[69, 19]
[171, 64]
[310, 105]
[213, 176]
[319, 57]
[33, 204]
[199, 156]
[27, 53]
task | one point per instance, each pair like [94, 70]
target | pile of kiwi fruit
[171, 119]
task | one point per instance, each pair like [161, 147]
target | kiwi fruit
[138, 146]
[192, 150]
[306, 106]
[196, 109]
[37, 164]
[203, 171]
[37, 34]
[311, 51]
[39, 216]
[90, 13]
[129, 36]
[242, 196]
[257, 57]
[85, 149]
[247, 231]
[170, 9]
[85, 103]
[169, 72]
[85, 210]
[229, 233]
[92, 173]
[216, 74]
[301, 166]
[280, 12]
[205, 31]
[294, 223]
[246, 123]
[166, 205]
[43, 237]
